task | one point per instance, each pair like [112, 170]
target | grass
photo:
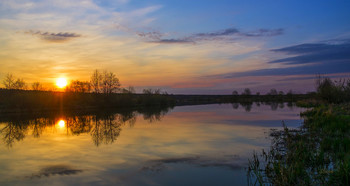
[316, 154]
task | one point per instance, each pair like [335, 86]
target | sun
[61, 123]
[61, 82]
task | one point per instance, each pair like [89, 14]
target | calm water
[187, 145]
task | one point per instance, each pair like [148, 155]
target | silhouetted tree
[128, 90]
[246, 92]
[150, 91]
[110, 83]
[234, 93]
[131, 89]
[79, 86]
[273, 92]
[105, 82]
[20, 84]
[96, 81]
[281, 93]
[11, 83]
[37, 86]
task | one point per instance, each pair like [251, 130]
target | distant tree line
[100, 82]
[104, 82]
[272, 92]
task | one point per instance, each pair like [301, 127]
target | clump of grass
[316, 154]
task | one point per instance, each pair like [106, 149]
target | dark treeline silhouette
[39, 101]
[104, 126]
[209, 99]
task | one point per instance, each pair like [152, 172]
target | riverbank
[17, 101]
[316, 154]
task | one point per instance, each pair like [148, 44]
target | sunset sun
[61, 82]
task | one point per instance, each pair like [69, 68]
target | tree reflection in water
[104, 128]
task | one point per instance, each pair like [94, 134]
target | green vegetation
[316, 154]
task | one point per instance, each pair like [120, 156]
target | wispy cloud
[54, 37]
[237, 32]
[228, 34]
[172, 41]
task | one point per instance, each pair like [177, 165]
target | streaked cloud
[53, 37]
[228, 34]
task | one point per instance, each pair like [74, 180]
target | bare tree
[79, 86]
[235, 93]
[110, 83]
[131, 90]
[273, 92]
[20, 84]
[96, 81]
[37, 86]
[9, 81]
[246, 92]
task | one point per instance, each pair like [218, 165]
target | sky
[182, 47]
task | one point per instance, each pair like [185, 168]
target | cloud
[172, 41]
[54, 37]
[223, 35]
[319, 58]
[264, 32]
[315, 53]
[226, 32]
[155, 35]
[235, 31]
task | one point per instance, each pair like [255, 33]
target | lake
[184, 145]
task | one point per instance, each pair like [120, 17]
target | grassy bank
[316, 154]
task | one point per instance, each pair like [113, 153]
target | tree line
[272, 92]
[100, 82]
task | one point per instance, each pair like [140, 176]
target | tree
[273, 92]
[79, 86]
[246, 92]
[37, 86]
[110, 83]
[290, 92]
[20, 84]
[96, 81]
[234, 93]
[105, 82]
[128, 90]
[9, 81]
[281, 93]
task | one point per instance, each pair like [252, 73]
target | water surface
[187, 145]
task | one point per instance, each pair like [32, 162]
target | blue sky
[188, 47]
